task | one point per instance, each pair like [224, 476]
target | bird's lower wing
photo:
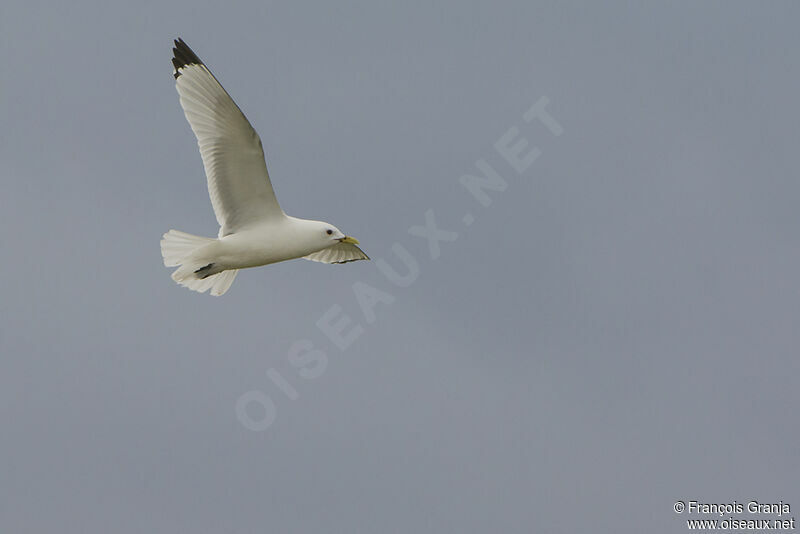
[340, 253]
[238, 183]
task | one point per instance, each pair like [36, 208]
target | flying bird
[254, 230]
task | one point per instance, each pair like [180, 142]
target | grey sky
[616, 331]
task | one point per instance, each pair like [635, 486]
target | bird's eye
[329, 231]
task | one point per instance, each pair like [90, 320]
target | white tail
[177, 249]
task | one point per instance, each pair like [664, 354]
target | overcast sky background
[616, 331]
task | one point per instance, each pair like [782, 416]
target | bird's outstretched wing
[233, 157]
[340, 253]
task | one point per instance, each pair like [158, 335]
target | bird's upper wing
[233, 157]
[339, 253]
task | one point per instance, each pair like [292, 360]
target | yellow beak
[348, 239]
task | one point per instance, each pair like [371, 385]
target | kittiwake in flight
[254, 230]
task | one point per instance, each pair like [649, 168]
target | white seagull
[254, 230]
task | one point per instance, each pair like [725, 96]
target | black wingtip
[183, 56]
[202, 272]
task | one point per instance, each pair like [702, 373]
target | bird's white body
[254, 230]
[283, 239]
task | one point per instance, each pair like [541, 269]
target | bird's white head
[327, 234]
